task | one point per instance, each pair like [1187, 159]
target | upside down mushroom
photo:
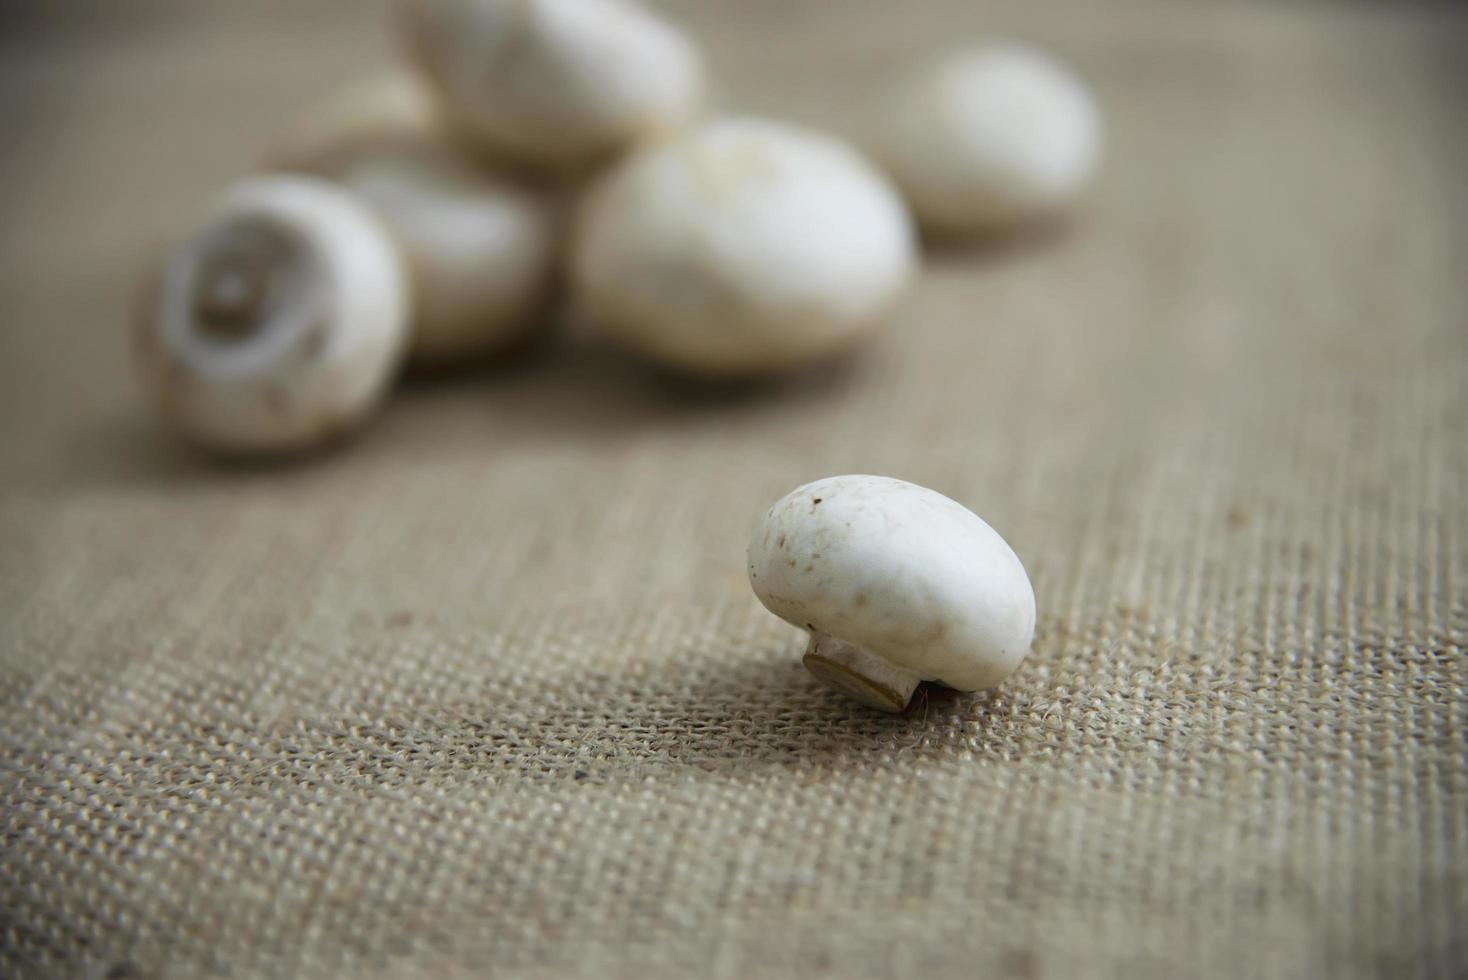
[278, 322]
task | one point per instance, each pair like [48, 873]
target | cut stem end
[859, 674]
[232, 302]
[248, 270]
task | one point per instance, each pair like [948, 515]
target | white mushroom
[742, 246]
[481, 248]
[482, 253]
[557, 83]
[989, 137]
[896, 584]
[388, 112]
[278, 323]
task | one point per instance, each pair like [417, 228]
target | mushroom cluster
[428, 217]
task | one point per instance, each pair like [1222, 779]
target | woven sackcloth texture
[486, 692]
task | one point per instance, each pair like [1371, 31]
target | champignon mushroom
[278, 322]
[387, 112]
[554, 83]
[988, 137]
[896, 584]
[481, 248]
[742, 246]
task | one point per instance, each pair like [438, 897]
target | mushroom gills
[247, 273]
[859, 674]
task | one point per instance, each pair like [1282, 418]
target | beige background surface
[487, 692]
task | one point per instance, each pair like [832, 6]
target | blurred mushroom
[742, 246]
[554, 83]
[277, 324]
[989, 137]
[482, 249]
[390, 112]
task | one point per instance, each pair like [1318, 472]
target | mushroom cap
[557, 83]
[989, 136]
[482, 252]
[742, 246]
[279, 321]
[390, 112]
[899, 570]
[482, 248]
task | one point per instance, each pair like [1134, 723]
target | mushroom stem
[240, 281]
[858, 673]
[229, 305]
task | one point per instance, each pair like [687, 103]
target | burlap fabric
[486, 692]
